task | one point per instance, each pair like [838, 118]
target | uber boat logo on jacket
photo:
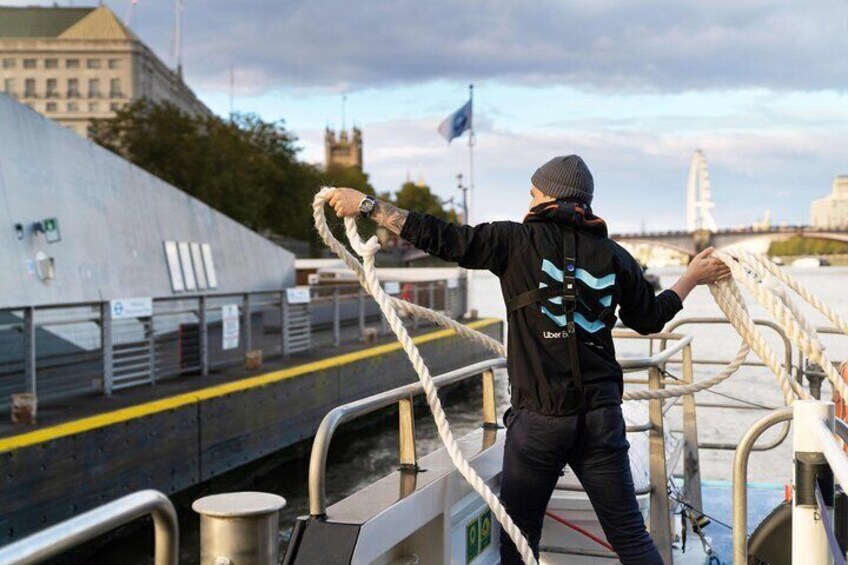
[590, 281]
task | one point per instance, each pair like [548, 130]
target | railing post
[415, 301]
[106, 346]
[202, 320]
[740, 479]
[337, 314]
[361, 312]
[809, 539]
[29, 351]
[248, 327]
[490, 414]
[284, 321]
[406, 435]
[660, 519]
[151, 348]
[431, 291]
[691, 460]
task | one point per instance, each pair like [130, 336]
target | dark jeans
[595, 446]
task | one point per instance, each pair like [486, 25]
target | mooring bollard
[239, 528]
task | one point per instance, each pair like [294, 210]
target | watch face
[366, 206]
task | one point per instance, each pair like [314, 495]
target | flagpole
[470, 273]
[470, 151]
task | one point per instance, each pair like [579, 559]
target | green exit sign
[51, 230]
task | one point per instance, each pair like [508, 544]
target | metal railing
[787, 363]
[55, 540]
[818, 458]
[404, 397]
[67, 350]
[660, 513]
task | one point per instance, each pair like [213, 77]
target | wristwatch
[367, 205]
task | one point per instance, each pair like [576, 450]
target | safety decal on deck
[478, 535]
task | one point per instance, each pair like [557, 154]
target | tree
[244, 167]
[807, 246]
[420, 198]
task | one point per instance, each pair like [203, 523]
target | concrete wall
[113, 218]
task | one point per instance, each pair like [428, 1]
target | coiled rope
[756, 274]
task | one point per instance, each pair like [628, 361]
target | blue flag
[456, 123]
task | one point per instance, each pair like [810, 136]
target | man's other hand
[345, 201]
[704, 269]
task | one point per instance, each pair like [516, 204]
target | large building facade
[78, 64]
[831, 212]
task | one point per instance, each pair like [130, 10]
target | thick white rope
[750, 270]
[756, 274]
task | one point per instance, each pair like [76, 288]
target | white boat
[434, 516]
[808, 262]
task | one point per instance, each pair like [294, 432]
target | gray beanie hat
[565, 177]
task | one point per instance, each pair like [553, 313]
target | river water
[359, 457]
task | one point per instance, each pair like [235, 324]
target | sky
[633, 87]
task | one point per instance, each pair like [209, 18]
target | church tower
[344, 150]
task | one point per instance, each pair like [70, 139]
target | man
[562, 279]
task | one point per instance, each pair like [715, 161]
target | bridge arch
[680, 247]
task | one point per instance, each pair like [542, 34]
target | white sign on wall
[391, 287]
[125, 308]
[299, 295]
[453, 283]
[230, 318]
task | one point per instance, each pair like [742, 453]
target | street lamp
[464, 190]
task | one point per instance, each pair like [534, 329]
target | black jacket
[528, 255]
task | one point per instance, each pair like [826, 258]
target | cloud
[639, 176]
[664, 45]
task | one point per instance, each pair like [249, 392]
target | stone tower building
[344, 150]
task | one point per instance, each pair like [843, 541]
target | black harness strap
[569, 304]
[568, 292]
[603, 313]
[533, 296]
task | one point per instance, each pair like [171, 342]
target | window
[51, 106]
[29, 63]
[115, 106]
[115, 88]
[9, 63]
[9, 86]
[114, 63]
[94, 107]
[51, 63]
[93, 63]
[94, 88]
[71, 63]
[73, 88]
[29, 88]
[52, 88]
[73, 107]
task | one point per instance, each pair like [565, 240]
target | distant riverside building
[76, 64]
[831, 212]
[343, 150]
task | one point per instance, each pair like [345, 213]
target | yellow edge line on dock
[148, 408]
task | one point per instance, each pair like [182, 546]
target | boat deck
[718, 505]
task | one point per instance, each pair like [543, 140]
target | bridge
[691, 242]
[702, 231]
